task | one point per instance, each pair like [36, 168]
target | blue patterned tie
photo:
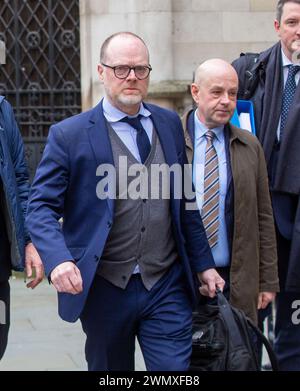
[288, 96]
[142, 138]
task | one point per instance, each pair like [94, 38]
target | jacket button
[108, 224]
[96, 258]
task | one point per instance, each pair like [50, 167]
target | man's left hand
[264, 298]
[33, 261]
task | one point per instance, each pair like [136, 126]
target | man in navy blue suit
[127, 266]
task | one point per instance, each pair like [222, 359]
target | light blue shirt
[221, 251]
[286, 63]
[126, 132]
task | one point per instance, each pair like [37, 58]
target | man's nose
[131, 75]
[225, 98]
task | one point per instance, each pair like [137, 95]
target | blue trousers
[160, 318]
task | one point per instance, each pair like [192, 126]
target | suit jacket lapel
[98, 136]
[165, 137]
[167, 141]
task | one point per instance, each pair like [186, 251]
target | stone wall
[180, 34]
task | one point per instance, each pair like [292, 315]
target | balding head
[215, 91]
[213, 68]
[121, 37]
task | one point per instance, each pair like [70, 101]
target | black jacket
[267, 100]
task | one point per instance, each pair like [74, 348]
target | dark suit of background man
[277, 112]
[15, 245]
[126, 267]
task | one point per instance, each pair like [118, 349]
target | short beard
[130, 100]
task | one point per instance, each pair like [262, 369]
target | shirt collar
[285, 61]
[201, 129]
[112, 114]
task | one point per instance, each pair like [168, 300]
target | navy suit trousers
[160, 318]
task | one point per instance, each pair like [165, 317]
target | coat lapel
[167, 142]
[165, 137]
[98, 136]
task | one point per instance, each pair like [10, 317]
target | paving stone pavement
[39, 340]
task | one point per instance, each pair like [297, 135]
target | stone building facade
[180, 35]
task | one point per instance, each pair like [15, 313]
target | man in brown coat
[231, 183]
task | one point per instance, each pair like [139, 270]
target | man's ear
[195, 91]
[277, 26]
[100, 70]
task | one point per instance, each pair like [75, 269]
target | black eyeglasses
[122, 71]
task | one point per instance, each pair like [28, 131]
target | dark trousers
[160, 318]
[4, 315]
[287, 334]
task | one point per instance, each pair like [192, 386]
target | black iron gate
[41, 78]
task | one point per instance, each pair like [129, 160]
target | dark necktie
[288, 96]
[142, 138]
[210, 209]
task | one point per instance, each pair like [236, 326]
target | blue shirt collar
[112, 114]
[201, 129]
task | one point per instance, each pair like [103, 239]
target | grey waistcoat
[142, 228]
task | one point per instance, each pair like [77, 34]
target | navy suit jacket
[65, 186]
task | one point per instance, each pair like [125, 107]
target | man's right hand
[66, 278]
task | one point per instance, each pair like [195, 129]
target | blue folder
[244, 106]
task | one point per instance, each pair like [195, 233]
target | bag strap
[266, 343]
[251, 76]
[234, 332]
[227, 314]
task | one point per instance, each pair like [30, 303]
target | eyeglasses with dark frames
[122, 71]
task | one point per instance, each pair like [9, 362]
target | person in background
[231, 183]
[15, 243]
[276, 100]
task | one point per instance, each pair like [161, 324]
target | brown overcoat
[254, 256]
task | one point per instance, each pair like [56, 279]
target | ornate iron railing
[41, 78]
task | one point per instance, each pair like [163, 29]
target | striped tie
[210, 209]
